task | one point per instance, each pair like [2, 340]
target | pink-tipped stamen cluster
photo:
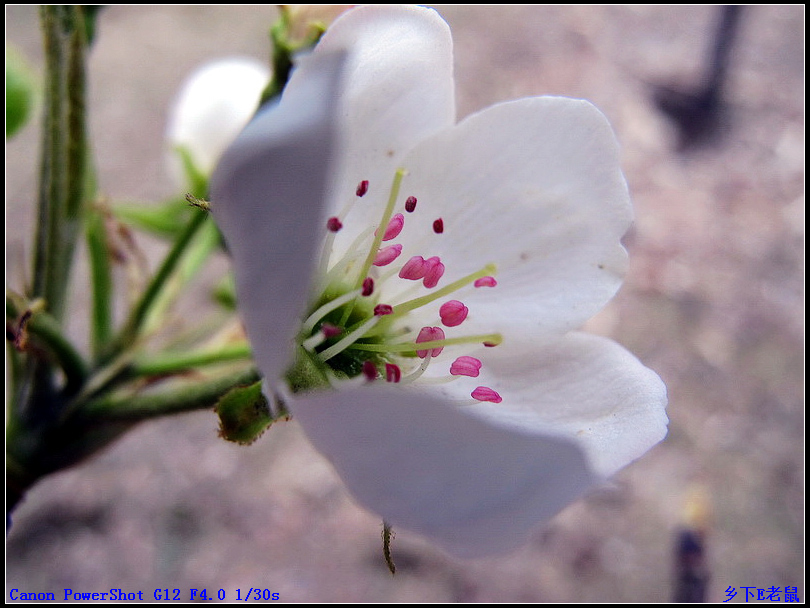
[382, 334]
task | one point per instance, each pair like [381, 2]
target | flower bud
[213, 106]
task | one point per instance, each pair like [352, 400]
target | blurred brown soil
[714, 302]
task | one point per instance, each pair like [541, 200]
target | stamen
[435, 270]
[430, 334]
[394, 227]
[419, 370]
[440, 380]
[409, 347]
[311, 343]
[485, 282]
[369, 370]
[386, 255]
[327, 331]
[383, 309]
[348, 340]
[389, 211]
[352, 256]
[380, 332]
[453, 313]
[331, 331]
[466, 366]
[312, 320]
[484, 393]
[414, 269]
[392, 373]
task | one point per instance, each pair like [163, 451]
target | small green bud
[244, 414]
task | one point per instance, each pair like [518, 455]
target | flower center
[353, 331]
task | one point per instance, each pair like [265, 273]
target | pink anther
[369, 370]
[394, 227]
[383, 309]
[414, 269]
[368, 286]
[410, 204]
[453, 313]
[333, 224]
[465, 366]
[429, 334]
[484, 393]
[434, 272]
[330, 331]
[392, 372]
[438, 226]
[386, 255]
[362, 188]
[485, 282]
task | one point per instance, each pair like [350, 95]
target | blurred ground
[714, 302]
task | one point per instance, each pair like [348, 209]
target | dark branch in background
[701, 114]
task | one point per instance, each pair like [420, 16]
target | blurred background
[714, 302]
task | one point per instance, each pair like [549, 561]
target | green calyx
[244, 414]
[333, 339]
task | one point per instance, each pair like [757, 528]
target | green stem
[63, 164]
[281, 58]
[44, 332]
[173, 363]
[51, 187]
[33, 453]
[151, 295]
[284, 49]
[183, 398]
[102, 284]
[201, 246]
[78, 180]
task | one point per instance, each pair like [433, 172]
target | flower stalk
[64, 175]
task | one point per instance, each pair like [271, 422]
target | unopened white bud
[213, 106]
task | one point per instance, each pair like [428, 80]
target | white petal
[473, 487]
[535, 187]
[399, 89]
[267, 196]
[585, 387]
[214, 105]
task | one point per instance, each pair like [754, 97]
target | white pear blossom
[214, 104]
[413, 286]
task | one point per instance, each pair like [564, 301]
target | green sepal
[244, 414]
[307, 373]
